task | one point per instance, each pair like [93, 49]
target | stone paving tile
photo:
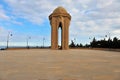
[59, 65]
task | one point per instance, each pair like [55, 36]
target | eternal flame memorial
[60, 18]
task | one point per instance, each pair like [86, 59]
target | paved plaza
[46, 64]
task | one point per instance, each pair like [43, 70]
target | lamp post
[75, 41]
[109, 40]
[43, 41]
[90, 38]
[28, 42]
[8, 36]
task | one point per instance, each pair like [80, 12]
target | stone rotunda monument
[60, 18]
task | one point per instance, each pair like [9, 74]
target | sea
[2, 47]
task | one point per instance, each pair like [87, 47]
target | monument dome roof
[60, 10]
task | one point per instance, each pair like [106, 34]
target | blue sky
[29, 18]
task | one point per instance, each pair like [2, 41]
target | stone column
[54, 35]
[60, 18]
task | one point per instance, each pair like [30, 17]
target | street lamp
[8, 36]
[43, 41]
[109, 39]
[90, 38]
[75, 41]
[28, 42]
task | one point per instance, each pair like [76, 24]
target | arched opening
[59, 21]
[60, 36]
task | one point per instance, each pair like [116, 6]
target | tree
[93, 43]
[115, 43]
[72, 44]
[81, 45]
[87, 45]
[109, 43]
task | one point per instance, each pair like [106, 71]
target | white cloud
[117, 31]
[2, 31]
[33, 10]
[89, 17]
[7, 18]
[3, 35]
[3, 15]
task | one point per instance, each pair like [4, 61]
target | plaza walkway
[45, 64]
